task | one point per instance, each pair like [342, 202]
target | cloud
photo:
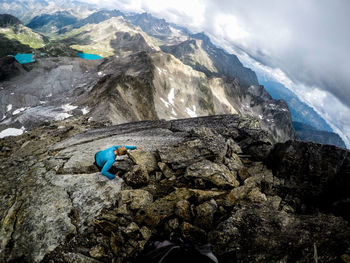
[307, 40]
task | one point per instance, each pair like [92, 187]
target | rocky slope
[199, 53]
[213, 180]
[110, 37]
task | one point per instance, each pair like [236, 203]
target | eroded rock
[215, 174]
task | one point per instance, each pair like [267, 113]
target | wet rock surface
[211, 180]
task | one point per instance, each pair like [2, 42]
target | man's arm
[130, 147]
[106, 168]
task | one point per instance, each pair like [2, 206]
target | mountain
[98, 17]
[51, 23]
[15, 37]
[7, 20]
[199, 53]
[306, 132]
[26, 10]
[299, 110]
[211, 180]
[112, 36]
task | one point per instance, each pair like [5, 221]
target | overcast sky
[308, 40]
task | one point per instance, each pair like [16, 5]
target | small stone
[183, 210]
[173, 223]
[205, 214]
[158, 176]
[131, 228]
[345, 258]
[97, 252]
[192, 233]
[233, 147]
[275, 201]
[166, 170]
[145, 232]
[256, 196]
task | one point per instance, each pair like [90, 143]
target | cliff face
[213, 180]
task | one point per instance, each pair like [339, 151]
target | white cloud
[304, 42]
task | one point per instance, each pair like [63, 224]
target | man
[105, 159]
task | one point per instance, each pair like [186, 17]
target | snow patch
[19, 110]
[48, 96]
[99, 73]
[85, 110]
[11, 132]
[171, 96]
[167, 104]
[182, 100]
[261, 117]
[12, 93]
[61, 116]
[159, 70]
[173, 112]
[9, 107]
[192, 113]
[68, 107]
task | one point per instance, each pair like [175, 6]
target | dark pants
[95, 163]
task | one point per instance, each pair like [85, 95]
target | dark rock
[193, 234]
[205, 214]
[252, 230]
[318, 175]
[183, 210]
[9, 67]
[156, 212]
[137, 177]
[215, 174]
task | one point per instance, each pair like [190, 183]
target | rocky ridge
[214, 180]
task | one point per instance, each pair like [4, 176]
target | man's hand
[138, 148]
[117, 175]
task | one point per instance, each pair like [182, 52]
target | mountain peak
[7, 20]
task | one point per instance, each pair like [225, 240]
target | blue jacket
[106, 158]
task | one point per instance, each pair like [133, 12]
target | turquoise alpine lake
[89, 56]
[24, 58]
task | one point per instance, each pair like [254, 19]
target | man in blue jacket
[105, 159]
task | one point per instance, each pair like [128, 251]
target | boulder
[154, 213]
[135, 199]
[198, 148]
[315, 174]
[137, 177]
[253, 229]
[215, 174]
[166, 170]
[144, 158]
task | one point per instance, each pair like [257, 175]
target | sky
[305, 42]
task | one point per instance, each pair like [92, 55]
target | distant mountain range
[225, 85]
[300, 111]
